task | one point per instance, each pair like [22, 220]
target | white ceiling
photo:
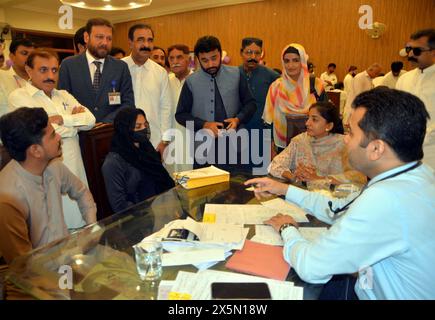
[157, 8]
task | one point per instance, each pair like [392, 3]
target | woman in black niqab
[135, 147]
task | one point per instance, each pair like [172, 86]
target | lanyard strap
[338, 210]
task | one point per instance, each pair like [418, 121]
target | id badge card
[114, 98]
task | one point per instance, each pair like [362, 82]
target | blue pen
[113, 85]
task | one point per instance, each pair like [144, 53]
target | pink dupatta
[287, 96]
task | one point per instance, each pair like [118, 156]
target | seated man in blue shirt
[385, 233]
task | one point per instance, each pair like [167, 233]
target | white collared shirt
[421, 83]
[347, 82]
[176, 85]
[152, 95]
[92, 66]
[60, 103]
[330, 77]
[389, 80]
[360, 83]
[9, 81]
[386, 235]
[377, 81]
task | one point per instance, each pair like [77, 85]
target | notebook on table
[261, 260]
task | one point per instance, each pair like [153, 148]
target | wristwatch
[284, 226]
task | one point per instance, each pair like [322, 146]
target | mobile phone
[240, 290]
[180, 235]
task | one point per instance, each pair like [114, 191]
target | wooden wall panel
[327, 29]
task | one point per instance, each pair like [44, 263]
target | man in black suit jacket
[98, 81]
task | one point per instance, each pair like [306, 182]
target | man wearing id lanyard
[107, 88]
[150, 85]
[16, 77]
[385, 233]
[66, 115]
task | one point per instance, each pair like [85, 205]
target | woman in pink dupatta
[290, 94]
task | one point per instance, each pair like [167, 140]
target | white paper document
[206, 172]
[226, 237]
[286, 207]
[209, 264]
[198, 285]
[165, 286]
[247, 213]
[268, 235]
[206, 232]
[194, 256]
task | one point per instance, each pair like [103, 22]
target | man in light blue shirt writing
[387, 232]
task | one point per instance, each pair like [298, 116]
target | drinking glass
[149, 259]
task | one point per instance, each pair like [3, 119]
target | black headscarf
[145, 158]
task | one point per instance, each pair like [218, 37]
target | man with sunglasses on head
[421, 82]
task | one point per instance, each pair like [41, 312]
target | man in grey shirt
[216, 98]
[32, 184]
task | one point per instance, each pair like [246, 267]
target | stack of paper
[215, 241]
[268, 235]
[195, 199]
[225, 235]
[197, 286]
[201, 177]
[241, 214]
[193, 256]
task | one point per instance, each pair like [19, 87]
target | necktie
[219, 109]
[97, 76]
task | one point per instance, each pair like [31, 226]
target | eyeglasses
[417, 50]
[251, 52]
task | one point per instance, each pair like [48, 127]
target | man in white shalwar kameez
[179, 60]
[421, 82]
